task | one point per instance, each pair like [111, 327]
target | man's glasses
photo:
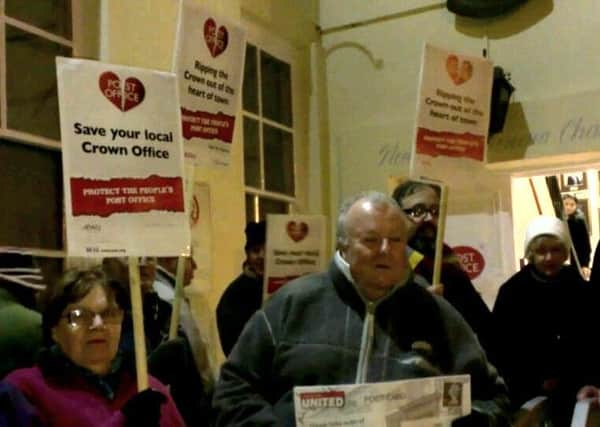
[84, 318]
[419, 211]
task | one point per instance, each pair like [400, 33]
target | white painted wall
[142, 33]
[374, 50]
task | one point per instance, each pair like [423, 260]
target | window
[269, 159]
[31, 196]
[32, 34]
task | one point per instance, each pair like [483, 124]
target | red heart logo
[459, 72]
[124, 97]
[216, 38]
[297, 230]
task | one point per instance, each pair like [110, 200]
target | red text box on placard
[450, 144]
[97, 197]
[274, 283]
[202, 124]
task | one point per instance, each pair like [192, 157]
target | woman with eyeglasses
[81, 379]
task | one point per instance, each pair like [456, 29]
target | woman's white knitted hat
[547, 225]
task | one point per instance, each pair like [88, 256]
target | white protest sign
[452, 116]
[122, 160]
[295, 246]
[422, 402]
[208, 61]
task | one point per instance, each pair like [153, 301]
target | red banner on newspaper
[103, 198]
[450, 144]
[206, 125]
[323, 399]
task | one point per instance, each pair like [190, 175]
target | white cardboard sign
[208, 61]
[453, 114]
[295, 246]
[122, 161]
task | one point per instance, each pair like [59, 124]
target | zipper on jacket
[366, 342]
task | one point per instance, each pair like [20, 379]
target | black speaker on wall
[482, 8]
[501, 92]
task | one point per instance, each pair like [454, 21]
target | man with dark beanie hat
[244, 295]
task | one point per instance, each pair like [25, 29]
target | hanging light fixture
[482, 8]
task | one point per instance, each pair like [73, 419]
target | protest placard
[295, 246]
[122, 161]
[208, 61]
[453, 110]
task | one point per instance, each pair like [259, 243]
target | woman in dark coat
[541, 315]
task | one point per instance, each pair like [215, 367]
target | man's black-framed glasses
[419, 211]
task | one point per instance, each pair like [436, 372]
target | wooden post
[178, 296]
[138, 324]
[439, 238]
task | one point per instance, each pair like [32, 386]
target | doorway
[532, 195]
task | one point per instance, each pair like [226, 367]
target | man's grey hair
[375, 197]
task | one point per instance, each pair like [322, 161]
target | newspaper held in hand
[586, 414]
[422, 402]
